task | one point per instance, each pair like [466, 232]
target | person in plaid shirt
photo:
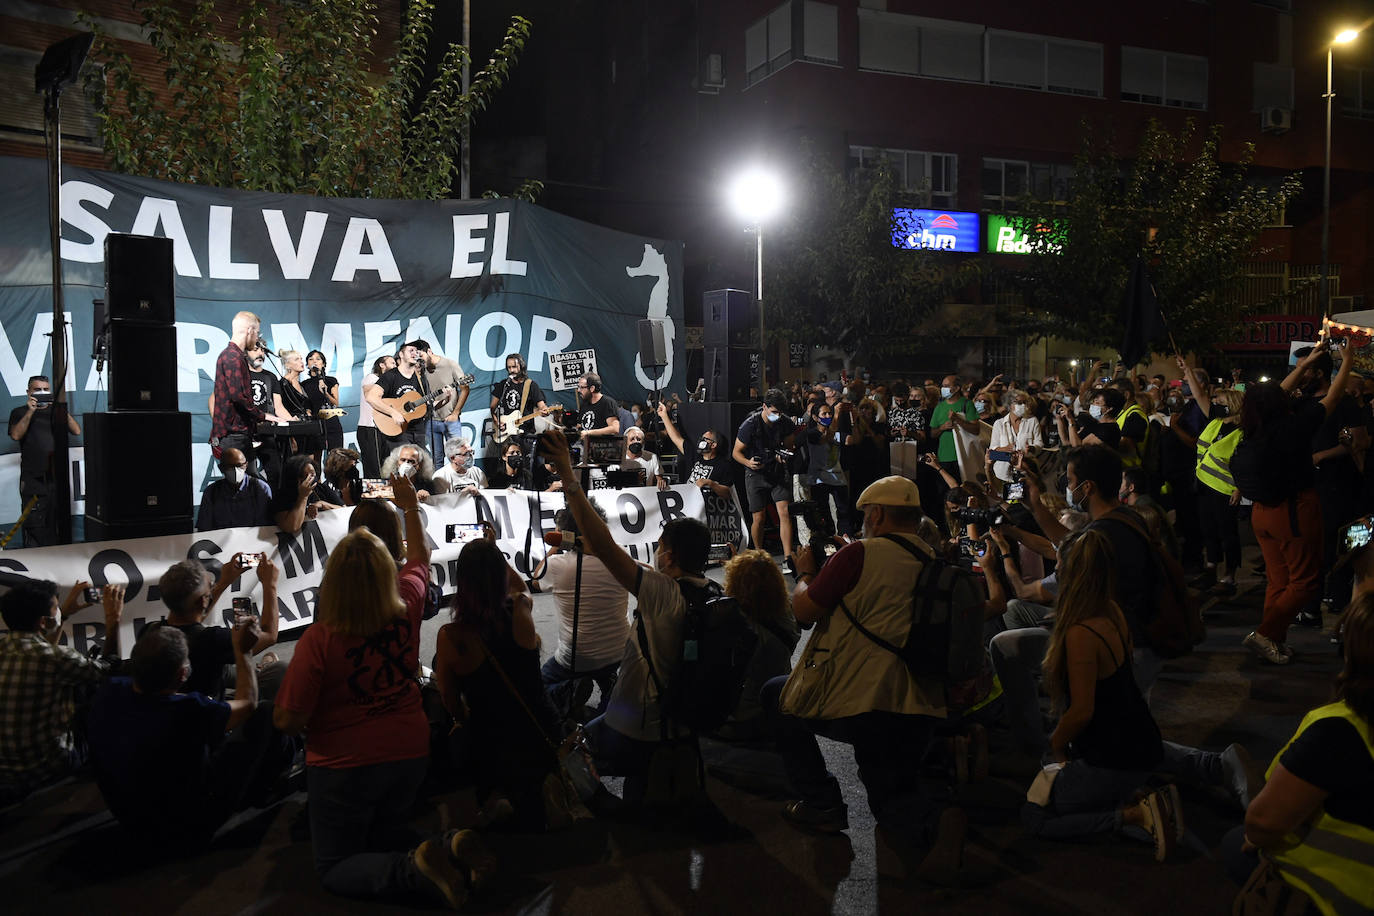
[42, 682]
[234, 416]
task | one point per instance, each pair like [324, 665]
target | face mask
[1065, 399]
[1174, 404]
[516, 461]
[258, 361]
[635, 414]
[406, 468]
[462, 461]
[1221, 410]
[636, 448]
[703, 445]
[1075, 506]
[235, 475]
[946, 393]
[824, 421]
[1095, 411]
[773, 416]
[981, 406]
[1018, 410]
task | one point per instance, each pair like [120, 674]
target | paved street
[61, 853]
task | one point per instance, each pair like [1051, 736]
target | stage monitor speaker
[143, 366]
[138, 465]
[98, 529]
[139, 283]
[653, 344]
[730, 318]
[730, 372]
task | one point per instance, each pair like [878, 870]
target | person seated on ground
[459, 474]
[343, 477]
[513, 471]
[625, 737]
[754, 580]
[1106, 742]
[188, 592]
[602, 626]
[850, 689]
[351, 689]
[635, 452]
[486, 666]
[237, 500]
[160, 753]
[413, 462]
[297, 498]
[1314, 818]
[45, 688]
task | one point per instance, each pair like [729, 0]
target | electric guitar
[412, 405]
[509, 424]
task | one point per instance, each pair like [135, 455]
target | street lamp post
[1344, 37]
[756, 197]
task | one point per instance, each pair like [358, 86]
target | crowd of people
[1040, 520]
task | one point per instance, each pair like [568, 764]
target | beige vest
[844, 673]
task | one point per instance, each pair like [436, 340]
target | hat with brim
[890, 491]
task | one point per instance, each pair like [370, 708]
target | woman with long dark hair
[1273, 467]
[486, 665]
[323, 391]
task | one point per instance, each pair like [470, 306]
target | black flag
[1144, 322]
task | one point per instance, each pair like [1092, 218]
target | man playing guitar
[402, 380]
[516, 394]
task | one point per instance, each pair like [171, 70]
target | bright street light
[1344, 37]
[756, 196]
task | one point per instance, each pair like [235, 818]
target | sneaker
[946, 856]
[822, 819]
[1240, 775]
[1163, 820]
[1265, 648]
[790, 566]
[432, 860]
[466, 848]
[1310, 619]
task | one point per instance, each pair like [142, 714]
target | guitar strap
[524, 396]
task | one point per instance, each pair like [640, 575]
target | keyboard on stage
[294, 428]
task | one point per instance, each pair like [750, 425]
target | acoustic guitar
[412, 405]
[509, 424]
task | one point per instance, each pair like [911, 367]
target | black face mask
[1221, 410]
[516, 461]
[636, 448]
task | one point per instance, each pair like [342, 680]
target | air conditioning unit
[712, 73]
[1276, 120]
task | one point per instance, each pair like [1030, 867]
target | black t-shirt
[1331, 755]
[210, 649]
[760, 437]
[394, 384]
[318, 388]
[1105, 430]
[508, 397]
[594, 416]
[264, 385]
[1339, 472]
[1135, 428]
[35, 449]
[721, 468]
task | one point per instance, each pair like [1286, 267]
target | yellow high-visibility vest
[1333, 863]
[1130, 457]
[1214, 452]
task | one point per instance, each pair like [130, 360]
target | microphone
[565, 540]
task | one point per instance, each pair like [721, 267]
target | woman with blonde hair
[292, 400]
[1106, 744]
[754, 580]
[351, 689]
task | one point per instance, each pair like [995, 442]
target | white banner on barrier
[521, 517]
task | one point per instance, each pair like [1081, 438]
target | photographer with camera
[236, 500]
[31, 427]
[825, 480]
[763, 446]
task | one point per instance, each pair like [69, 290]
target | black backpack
[946, 636]
[1260, 473]
[718, 642]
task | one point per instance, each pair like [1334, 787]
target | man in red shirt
[234, 415]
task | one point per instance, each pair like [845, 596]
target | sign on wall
[1273, 332]
[1005, 236]
[939, 230]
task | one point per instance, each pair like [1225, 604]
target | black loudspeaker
[653, 344]
[730, 318]
[98, 529]
[730, 372]
[143, 366]
[138, 466]
[139, 284]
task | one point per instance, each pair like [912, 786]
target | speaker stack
[730, 335]
[138, 453]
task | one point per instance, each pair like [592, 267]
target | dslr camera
[983, 518]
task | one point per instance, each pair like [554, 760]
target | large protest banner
[521, 517]
[352, 278]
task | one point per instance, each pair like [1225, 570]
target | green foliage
[832, 275]
[1195, 218]
[294, 108]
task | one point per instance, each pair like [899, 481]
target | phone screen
[243, 607]
[1357, 535]
[463, 533]
[1014, 492]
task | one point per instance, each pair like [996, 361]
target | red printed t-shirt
[359, 693]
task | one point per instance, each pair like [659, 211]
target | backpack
[1260, 474]
[718, 643]
[946, 636]
[1177, 622]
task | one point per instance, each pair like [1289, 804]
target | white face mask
[981, 406]
[773, 416]
[235, 475]
[1018, 410]
[946, 393]
[406, 468]
[1095, 411]
[1075, 506]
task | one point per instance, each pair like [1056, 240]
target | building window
[797, 30]
[915, 45]
[1007, 181]
[1273, 87]
[933, 177]
[1162, 78]
[21, 112]
[1355, 91]
[1048, 64]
